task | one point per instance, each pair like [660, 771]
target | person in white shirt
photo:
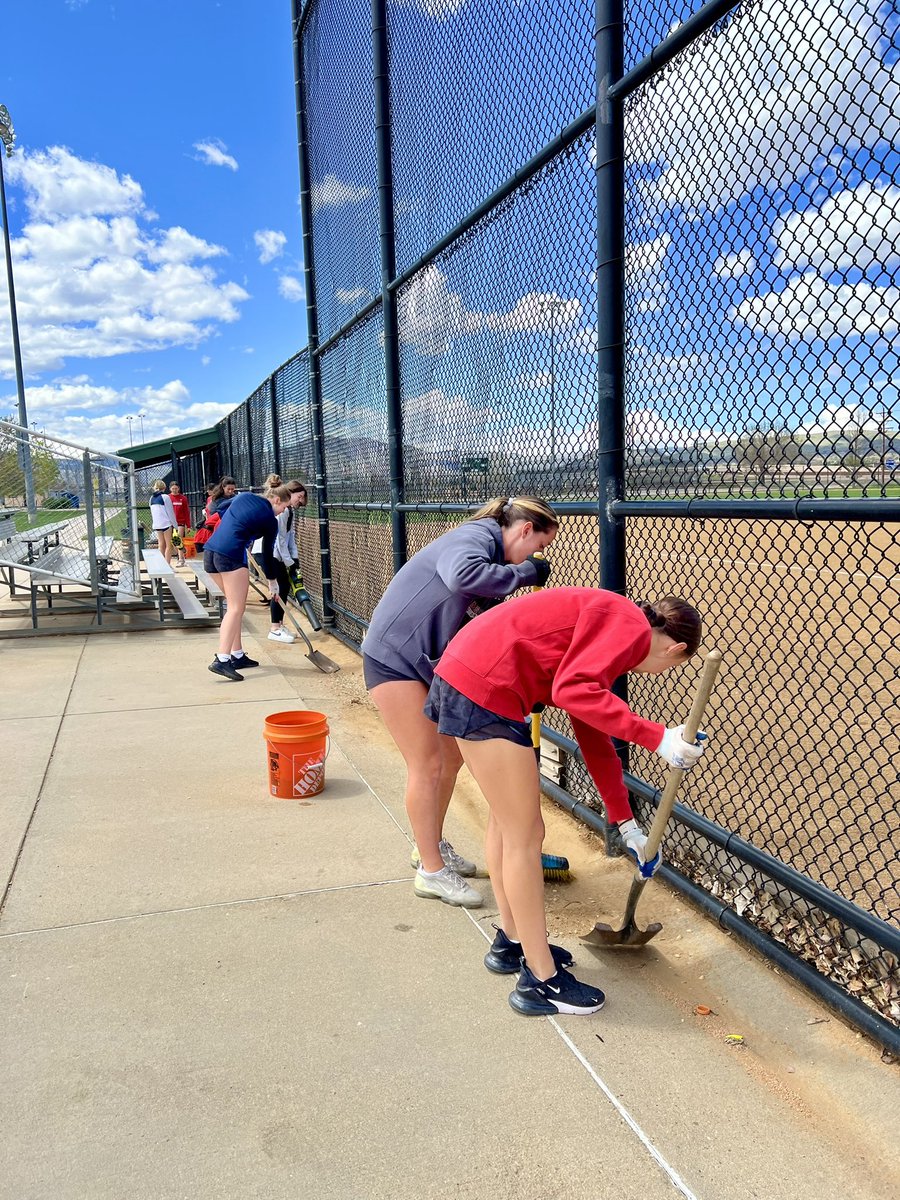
[286, 555]
[163, 518]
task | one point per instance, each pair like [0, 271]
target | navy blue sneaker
[243, 661]
[505, 956]
[226, 670]
[561, 993]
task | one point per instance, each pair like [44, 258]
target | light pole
[130, 438]
[141, 419]
[8, 137]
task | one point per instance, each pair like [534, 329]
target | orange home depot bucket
[190, 549]
[296, 749]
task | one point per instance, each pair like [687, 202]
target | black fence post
[381, 79]
[610, 167]
[276, 435]
[251, 472]
[312, 320]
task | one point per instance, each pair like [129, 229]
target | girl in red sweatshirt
[564, 647]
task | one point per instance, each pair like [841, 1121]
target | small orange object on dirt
[702, 1011]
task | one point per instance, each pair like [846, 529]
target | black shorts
[375, 672]
[220, 564]
[458, 716]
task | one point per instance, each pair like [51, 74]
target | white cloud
[431, 316]
[810, 307]
[351, 295]
[426, 419]
[291, 288]
[735, 266]
[94, 278]
[534, 382]
[57, 184]
[846, 420]
[858, 228]
[270, 243]
[333, 193]
[439, 10]
[645, 276]
[95, 415]
[812, 83]
[582, 341]
[536, 312]
[214, 153]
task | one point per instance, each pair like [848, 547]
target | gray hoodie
[425, 603]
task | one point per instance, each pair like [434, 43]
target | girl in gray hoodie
[473, 566]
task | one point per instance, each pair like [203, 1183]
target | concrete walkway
[209, 992]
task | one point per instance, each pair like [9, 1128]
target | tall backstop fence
[642, 261]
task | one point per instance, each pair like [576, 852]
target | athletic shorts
[458, 716]
[375, 672]
[220, 564]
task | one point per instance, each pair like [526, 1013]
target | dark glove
[541, 569]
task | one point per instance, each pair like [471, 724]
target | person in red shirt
[182, 516]
[564, 646]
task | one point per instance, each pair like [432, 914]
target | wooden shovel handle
[673, 780]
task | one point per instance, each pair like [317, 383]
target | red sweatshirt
[182, 510]
[565, 646]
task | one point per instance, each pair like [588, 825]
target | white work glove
[273, 587]
[635, 841]
[679, 753]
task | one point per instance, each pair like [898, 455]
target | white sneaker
[282, 636]
[448, 887]
[455, 861]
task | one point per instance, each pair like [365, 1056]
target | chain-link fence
[644, 264]
[68, 521]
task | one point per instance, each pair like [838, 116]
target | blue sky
[157, 233]
[153, 206]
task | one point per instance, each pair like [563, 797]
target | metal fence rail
[640, 260]
[76, 525]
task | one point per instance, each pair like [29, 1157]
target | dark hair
[676, 619]
[506, 510]
[294, 486]
[219, 490]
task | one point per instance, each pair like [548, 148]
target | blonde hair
[279, 492]
[273, 481]
[506, 510]
[159, 485]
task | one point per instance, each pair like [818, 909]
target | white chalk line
[839, 576]
[674, 1178]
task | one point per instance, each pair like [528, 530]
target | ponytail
[507, 510]
[676, 619]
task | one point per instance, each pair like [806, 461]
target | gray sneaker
[448, 887]
[455, 861]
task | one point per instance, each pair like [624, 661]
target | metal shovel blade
[323, 662]
[630, 934]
